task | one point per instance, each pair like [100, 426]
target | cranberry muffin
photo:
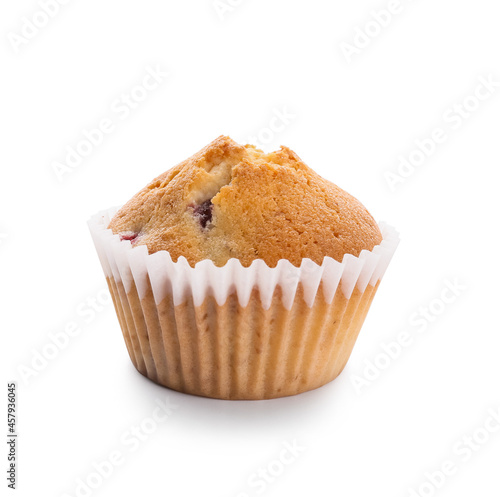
[241, 275]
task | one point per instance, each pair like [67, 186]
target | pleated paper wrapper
[237, 332]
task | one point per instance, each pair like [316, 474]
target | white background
[351, 122]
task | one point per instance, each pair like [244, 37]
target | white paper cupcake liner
[233, 331]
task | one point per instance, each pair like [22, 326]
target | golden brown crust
[265, 206]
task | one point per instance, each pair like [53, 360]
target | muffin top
[233, 201]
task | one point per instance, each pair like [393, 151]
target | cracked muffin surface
[233, 201]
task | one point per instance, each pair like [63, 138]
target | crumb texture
[233, 201]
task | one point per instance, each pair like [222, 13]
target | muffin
[241, 275]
